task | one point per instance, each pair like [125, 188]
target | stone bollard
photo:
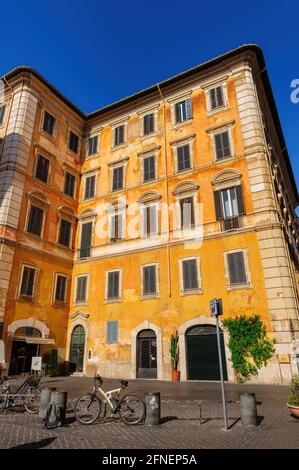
[60, 399]
[152, 405]
[45, 399]
[248, 411]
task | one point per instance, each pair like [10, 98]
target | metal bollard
[152, 405]
[60, 399]
[248, 411]
[45, 399]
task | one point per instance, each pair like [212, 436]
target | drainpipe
[167, 194]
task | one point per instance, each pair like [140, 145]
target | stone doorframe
[78, 318]
[183, 351]
[146, 325]
[26, 322]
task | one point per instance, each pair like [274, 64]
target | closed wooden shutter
[42, 168]
[177, 112]
[188, 104]
[187, 212]
[117, 178]
[236, 266]
[183, 154]
[28, 281]
[60, 288]
[218, 205]
[81, 289]
[86, 234]
[48, 124]
[90, 183]
[149, 170]
[69, 184]
[190, 278]
[240, 200]
[112, 332]
[65, 232]
[113, 285]
[222, 145]
[149, 280]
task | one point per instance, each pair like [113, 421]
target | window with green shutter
[60, 291]
[190, 275]
[113, 285]
[236, 268]
[149, 280]
[35, 220]
[81, 289]
[86, 235]
[112, 331]
[65, 232]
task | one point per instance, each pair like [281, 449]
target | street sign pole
[221, 375]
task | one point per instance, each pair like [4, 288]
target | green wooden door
[77, 347]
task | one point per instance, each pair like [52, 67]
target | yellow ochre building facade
[119, 227]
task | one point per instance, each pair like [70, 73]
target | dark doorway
[77, 347]
[147, 355]
[202, 353]
[22, 352]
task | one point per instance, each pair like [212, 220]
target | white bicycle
[130, 408]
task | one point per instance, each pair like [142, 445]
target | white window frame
[190, 291]
[183, 195]
[181, 143]
[96, 154]
[157, 293]
[123, 122]
[178, 99]
[153, 111]
[80, 302]
[24, 296]
[71, 172]
[42, 154]
[208, 87]
[60, 302]
[219, 130]
[120, 211]
[120, 287]
[39, 206]
[246, 285]
[88, 175]
[123, 162]
[143, 207]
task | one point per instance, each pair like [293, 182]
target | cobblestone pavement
[179, 428]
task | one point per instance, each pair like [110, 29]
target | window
[183, 156]
[35, 220]
[119, 135]
[187, 212]
[42, 168]
[113, 288]
[190, 275]
[65, 232]
[236, 268]
[2, 112]
[216, 97]
[118, 178]
[92, 145]
[90, 186]
[85, 245]
[81, 289]
[222, 145]
[148, 124]
[28, 281]
[69, 184]
[73, 142]
[183, 110]
[112, 332]
[149, 168]
[116, 231]
[149, 220]
[49, 123]
[149, 278]
[60, 288]
[229, 202]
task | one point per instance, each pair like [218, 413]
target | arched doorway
[202, 353]
[77, 347]
[23, 352]
[146, 355]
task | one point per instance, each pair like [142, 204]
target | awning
[36, 340]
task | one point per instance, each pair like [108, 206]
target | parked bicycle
[130, 408]
[27, 394]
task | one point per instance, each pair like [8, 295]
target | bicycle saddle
[124, 383]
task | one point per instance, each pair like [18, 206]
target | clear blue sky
[96, 52]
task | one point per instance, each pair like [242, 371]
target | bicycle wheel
[132, 409]
[32, 400]
[87, 409]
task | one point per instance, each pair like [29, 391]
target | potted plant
[293, 397]
[174, 355]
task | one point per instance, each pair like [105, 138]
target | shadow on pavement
[35, 445]
[167, 418]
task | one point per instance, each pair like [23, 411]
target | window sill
[191, 292]
[150, 297]
[238, 287]
[179, 124]
[147, 136]
[59, 303]
[120, 146]
[219, 160]
[185, 170]
[80, 303]
[25, 298]
[90, 157]
[218, 109]
[113, 301]
[44, 183]
[64, 246]
[48, 136]
[34, 235]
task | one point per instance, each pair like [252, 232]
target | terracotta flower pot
[294, 410]
[175, 375]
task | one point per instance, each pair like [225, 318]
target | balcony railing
[230, 223]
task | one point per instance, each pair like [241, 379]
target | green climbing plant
[174, 350]
[249, 344]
